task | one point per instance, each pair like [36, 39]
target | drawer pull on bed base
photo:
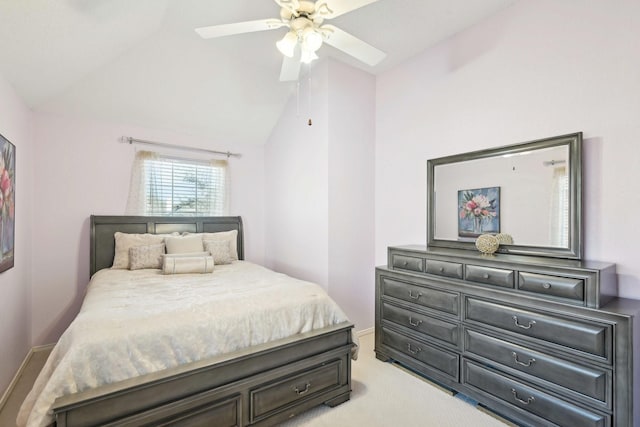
[529, 400]
[527, 363]
[301, 392]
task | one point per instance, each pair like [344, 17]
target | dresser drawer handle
[416, 323]
[546, 285]
[305, 390]
[416, 296]
[416, 351]
[485, 276]
[531, 323]
[527, 363]
[529, 400]
[404, 264]
[441, 269]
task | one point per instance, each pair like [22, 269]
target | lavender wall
[351, 192]
[537, 69]
[296, 170]
[15, 284]
[82, 169]
[319, 204]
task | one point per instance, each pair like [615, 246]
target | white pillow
[219, 250]
[187, 264]
[125, 241]
[148, 256]
[184, 244]
[231, 236]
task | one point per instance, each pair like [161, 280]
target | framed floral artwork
[7, 202]
[478, 211]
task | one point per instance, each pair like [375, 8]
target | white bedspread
[137, 322]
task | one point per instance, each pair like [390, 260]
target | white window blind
[169, 186]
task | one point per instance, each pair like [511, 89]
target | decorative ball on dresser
[487, 243]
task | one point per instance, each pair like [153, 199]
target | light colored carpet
[386, 396]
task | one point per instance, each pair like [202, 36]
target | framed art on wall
[7, 202]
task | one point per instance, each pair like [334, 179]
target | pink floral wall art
[7, 202]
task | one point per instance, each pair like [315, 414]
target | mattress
[138, 322]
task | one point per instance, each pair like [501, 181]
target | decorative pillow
[125, 241]
[219, 250]
[231, 236]
[148, 256]
[188, 254]
[184, 244]
[187, 264]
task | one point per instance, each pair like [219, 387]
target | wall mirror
[530, 191]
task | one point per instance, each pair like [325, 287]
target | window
[559, 230]
[165, 186]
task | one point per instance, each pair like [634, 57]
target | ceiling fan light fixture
[288, 44]
[311, 39]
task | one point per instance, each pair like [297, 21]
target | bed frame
[259, 386]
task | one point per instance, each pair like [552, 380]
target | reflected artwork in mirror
[529, 191]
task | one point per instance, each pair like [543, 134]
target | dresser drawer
[530, 398]
[441, 360]
[490, 276]
[435, 328]
[447, 302]
[444, 268]
[267, 399]
[410, 263]
[591, 382]
[589, 337]
[552, 285]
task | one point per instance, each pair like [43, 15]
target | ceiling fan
[307, 32]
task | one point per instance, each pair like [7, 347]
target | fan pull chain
[310, 122]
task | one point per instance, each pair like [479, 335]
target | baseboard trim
[19, 372]
[364, 332]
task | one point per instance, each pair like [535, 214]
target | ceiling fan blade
[333, 8]
[353, 46]
[291, 67]
[239, 28]
[290, 5]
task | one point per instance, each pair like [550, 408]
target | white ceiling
[139, 62]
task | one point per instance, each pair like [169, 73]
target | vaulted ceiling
[140, 62]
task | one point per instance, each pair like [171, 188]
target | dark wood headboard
[104, 227]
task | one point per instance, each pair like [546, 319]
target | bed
[262, 373]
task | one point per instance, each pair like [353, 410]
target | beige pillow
[187, 264]
[184, 244]
[231, 236]
[219, 250]
[148, 256]
[125, 241]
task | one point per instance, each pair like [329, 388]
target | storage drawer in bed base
[213, 385]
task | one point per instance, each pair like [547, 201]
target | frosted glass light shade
[288, 44]
[311, 39]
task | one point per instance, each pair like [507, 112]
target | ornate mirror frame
[573, 250]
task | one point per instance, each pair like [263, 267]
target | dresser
[540, 341]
